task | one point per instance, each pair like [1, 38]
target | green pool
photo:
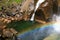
[22, 25]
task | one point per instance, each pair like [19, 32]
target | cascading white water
[56, 24]
[37, 5]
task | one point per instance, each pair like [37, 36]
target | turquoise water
[37, 34]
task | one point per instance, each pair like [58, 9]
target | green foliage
[0, 8]
[8, 2]
[18, 1]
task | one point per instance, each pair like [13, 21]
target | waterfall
[56, 24]
[36, 7]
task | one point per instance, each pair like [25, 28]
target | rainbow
[39, 27]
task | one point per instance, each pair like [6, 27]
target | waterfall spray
[37, 5]
[56, 24]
